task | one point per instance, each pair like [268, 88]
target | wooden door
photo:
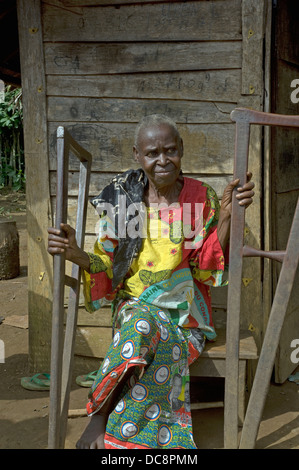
[285, 161]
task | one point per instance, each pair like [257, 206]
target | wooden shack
[97, 66]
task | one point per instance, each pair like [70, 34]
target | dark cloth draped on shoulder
[130, 184]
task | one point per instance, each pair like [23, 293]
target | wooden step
[217, 349]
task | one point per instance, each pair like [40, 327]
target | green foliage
[11, 110]
[12, 165]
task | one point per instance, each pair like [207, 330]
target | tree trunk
[9, 250]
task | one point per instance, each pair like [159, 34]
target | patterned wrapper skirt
[153, 408]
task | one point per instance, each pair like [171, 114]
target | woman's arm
[68, 245]
[244, 196]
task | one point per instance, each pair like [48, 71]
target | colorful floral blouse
[180, 258]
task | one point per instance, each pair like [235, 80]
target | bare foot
[93, 436]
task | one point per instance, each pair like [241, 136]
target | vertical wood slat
[58, 298]
[267, 216]
[234, 292]
[252, 46]
[74, 295]
[37, 175]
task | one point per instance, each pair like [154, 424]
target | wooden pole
[58, 299]
[271, 340]
[72, 313]
[38, 200]
[234, 292]
[244, 118]
[62, 351]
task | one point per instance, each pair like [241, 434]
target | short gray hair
[154, 120]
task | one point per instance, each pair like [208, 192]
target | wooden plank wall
[37, 186]
[285, 167]
[107, 64]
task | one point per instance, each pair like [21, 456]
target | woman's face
[159, 151]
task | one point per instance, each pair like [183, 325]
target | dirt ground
[24, 414]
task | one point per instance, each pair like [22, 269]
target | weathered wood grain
[253, 36]
[37, 187]
[287, 30]
[285, 204]
[284, 167]
[68, 109]
[208, 148]
[285, 158]
[98, 58]
[176, 21]
[87, 3]
[209, 85]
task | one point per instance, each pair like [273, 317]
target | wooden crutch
[62, 350]
[244, 118]
[271, 340]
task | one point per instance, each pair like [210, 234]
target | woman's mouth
[164, 172]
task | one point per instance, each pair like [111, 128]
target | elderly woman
[161, 245]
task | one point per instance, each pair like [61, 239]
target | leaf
[148, 277]
[175, 229]
[162, 275]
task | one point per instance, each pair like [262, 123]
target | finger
[249, 175]
[67, 228]
[57, 234]
[231, 186]
[245, 194]
[247, 186]
[55, 250]
[245, 202]
[234, 182]
[54, 230]
[58, 241]
[58, 238]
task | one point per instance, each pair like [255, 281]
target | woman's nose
[162, 158]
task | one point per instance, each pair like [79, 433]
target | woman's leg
[146, 411]
[93, 435]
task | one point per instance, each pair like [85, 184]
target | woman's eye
[155, 153]
[152, 154]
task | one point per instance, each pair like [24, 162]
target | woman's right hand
[68, 245]
[63, 244]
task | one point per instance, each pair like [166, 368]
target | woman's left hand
[245, 194]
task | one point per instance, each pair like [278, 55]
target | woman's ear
[182, 147]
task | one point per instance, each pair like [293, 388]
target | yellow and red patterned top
[180, 258]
